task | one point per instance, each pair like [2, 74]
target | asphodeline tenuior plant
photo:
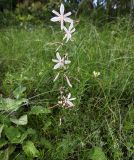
[62, 61]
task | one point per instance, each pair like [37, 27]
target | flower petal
[67, 62]
[55, 19]
[65, 36]
[62, 9]
[55, 12]
[65, 29]
[73, 30]
[67, 40]
[70, 103]
[66, 19]
[72, 99]
[58, 65]
[55, 60]
[62, 24]
[69, 95]
[56, 77]
[68, 37]
[71, 26]
[58, 56]
[68, 81]
[67, 14]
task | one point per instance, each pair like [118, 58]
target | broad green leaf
[5, 155]
[97, 154]
[10, 149]
[13, 134]
[4, 119]
[1, 129]
[31, 131]
[30, 149]
[8, 104]
[3, 142]
[23, 120]
[18, 92]
[36, 110]
[23, 137]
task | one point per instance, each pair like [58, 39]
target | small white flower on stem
[67, 101]
[68, 32]
[68, 81]
[96, 74]
[61, 61]
[61, 17]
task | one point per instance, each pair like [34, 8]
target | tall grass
[103, 113]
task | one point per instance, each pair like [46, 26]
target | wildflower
[96, 74]
[68, 32]
[66, 101]
[61, 17]
[61, 61]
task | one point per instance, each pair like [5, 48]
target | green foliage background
[100, 126]
[34, 11]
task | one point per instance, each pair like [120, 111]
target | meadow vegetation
[100, 126]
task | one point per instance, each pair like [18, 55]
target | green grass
[103, 114]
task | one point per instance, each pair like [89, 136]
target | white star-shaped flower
[67, 101]
[61, 17]
[68, 32]
[61, 61]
